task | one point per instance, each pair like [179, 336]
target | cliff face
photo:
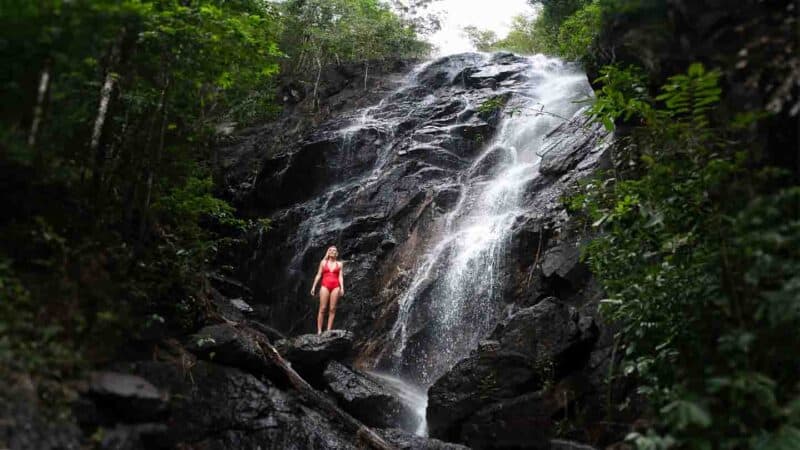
[392, 185]
[378, 182]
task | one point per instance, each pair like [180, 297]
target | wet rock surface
[228, 345]
[313, 351]
[554, 335]
[216, 406]
[403, 440]
[126, 396]
[377, 183]
[381, 183]
[474, 382]
[367, 399]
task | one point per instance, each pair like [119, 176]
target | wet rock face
[403, 440]
[126, 396]
[475, 382]
[225, 344]
[368, 181]
[311, 352]
[551, 333]
[510, 391]
[367, 399]
[223, 407]
[379, 182]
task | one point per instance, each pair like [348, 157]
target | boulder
[219, 407]
[367, 399]
[520, 422]
[554, 335]
[126, 396]
[226, 307]
[226, 344]
[560, 444]
[570, 148]
[563, 260]
[477, 381]
[309, 351]
[404, 440]
[144, 436]
[526, 421]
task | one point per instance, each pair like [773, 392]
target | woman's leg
[324, 294]
[332, 311]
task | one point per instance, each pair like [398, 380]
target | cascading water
[420, 191]
[458, 281]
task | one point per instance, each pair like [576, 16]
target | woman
[330, 270]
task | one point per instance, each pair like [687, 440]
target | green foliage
[483, 40]
[577, 32]
[699, 254]
[623, 95]
[521, 38]
[26, 344]
[107, 149]
[319, 33]
[564, 28]
[493, 104]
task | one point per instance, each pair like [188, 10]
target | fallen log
[362, 432]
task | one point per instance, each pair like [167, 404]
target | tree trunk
[38, 110]
[102, 111]
[362, 432]
[316, 83]
[154, 163]
[366, 73]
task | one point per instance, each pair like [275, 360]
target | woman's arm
[316, 279]
[341, 278]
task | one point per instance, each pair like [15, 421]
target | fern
[691, 96]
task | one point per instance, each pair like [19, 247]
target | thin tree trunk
[102, 111]
[366, 73]
[361, 431]
[316, 83]
[38, 110]
[153, 163]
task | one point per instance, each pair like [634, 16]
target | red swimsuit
[330, 278]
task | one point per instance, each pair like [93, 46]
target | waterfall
[457, 283]
[420, 191]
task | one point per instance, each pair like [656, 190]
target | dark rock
[228, 286]
[489, 162]
[522, 422]
[564, 153]
[126, 396]
[564, 261]
[143, 436]
[241, 305]
[403, 440]
[551, 333]
[25, 425]
[226, 307]
[226, 344]
[314, 350]
[474, 382]
[526, 421]
[560, 444]
[271, 333]
[367, 399]
[222, 407]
